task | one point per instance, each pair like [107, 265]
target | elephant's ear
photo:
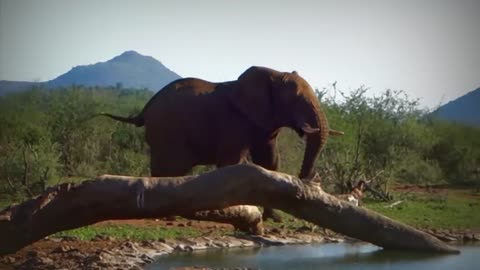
[252, 96]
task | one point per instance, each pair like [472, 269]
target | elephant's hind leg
[164, 165]
[175, 164]
[266, 155]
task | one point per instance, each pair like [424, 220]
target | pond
[322, 256]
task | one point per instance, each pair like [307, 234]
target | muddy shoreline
[109, 253]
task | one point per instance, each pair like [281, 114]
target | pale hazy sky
[429, 48]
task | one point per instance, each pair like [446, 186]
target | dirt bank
[109, 253]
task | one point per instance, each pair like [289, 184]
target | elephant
[196, 122]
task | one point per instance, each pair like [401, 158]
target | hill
[465, 109]
[129, 70]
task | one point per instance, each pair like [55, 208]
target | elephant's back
[178, 92]
[187, 87]
[178, 103]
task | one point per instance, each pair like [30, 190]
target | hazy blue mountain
[130, 69]
[465, 109]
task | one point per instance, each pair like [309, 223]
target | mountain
[129, 70]
[465, 109]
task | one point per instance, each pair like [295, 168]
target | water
[322, 256]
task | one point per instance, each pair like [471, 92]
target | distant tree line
[50, 136]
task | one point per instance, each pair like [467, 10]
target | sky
[429, 48]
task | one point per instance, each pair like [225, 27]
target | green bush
[50, 136]
[412, 168]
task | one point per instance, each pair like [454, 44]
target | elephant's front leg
[226, 157]
[266, 155]
[232, 149]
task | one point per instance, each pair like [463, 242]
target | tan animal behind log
[356, 195]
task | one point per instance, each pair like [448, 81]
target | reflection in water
[326, 256]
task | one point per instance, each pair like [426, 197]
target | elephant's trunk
[315, 140]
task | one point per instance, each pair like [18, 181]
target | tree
[120, 197]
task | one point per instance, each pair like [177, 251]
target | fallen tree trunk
[110, 197]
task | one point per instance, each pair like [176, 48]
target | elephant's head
[273, 99]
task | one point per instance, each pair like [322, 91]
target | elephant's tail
[136, 120]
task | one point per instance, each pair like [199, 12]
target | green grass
[4, 204]
[130, 232]
[450, 210]
[289, 222]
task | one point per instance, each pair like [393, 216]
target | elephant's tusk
[309, 130]
[306, 128]
[333, 132]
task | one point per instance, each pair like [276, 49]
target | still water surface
[322, 256]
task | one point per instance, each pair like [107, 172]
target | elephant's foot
[270, 213]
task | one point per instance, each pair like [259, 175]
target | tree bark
[108, 197]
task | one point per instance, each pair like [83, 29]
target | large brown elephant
[191, 121]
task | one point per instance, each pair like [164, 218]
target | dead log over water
[108, 197]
